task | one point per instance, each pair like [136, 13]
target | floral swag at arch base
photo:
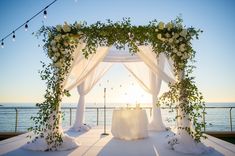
[173, 39]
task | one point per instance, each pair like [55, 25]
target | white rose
[182, 47]
[54, 49]
[183, 33]
[66, 27]
[57, 54]
[159, 36]
[78, 25]
[58, 64]
[161, 25]
[53, 43]
[170, 40]
[59, 28]
[178, 53]
[169, 26]
[63, 52]
[57, 37]
[176, 35]
[168, 35]
[175, 50]
[156, 30]
[66, 44]
[54, 58]
[186, 56]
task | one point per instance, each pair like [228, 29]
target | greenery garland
[172, 39]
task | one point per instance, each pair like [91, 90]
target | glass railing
[17, 119]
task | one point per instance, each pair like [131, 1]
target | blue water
[217, 119]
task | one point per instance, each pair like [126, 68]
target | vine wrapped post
[183, 119]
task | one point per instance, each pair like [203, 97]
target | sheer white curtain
[156, 123]
[141, 73]
[83, 67]
[83, 89]
[79, 76]
[149, 58]
[152, 84]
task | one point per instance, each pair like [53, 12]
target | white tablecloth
[129, 124]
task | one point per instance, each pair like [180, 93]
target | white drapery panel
[150, 59]
[83, 67]
[84, 88]
[156, 122]
[141, 73]
[152, 84]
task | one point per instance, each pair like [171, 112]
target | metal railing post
[231, 122]
[70, 116]
[16, 121]
[97, 116]
[203, 118]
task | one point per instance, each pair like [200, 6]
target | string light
[25, 24]
[45, 13]
[13, 36]
[2, 44]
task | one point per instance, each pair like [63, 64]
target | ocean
[217, 118]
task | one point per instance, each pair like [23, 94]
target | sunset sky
[20, 60]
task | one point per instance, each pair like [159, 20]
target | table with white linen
[129, 124]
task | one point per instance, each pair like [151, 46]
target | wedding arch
[72, 47]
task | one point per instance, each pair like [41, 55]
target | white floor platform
[92, 144]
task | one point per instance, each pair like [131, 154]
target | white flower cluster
[57, 48]
[173, 38]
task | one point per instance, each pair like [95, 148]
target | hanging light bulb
[13, 36]
[26, 26]
[45, 13]
[2, 44]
